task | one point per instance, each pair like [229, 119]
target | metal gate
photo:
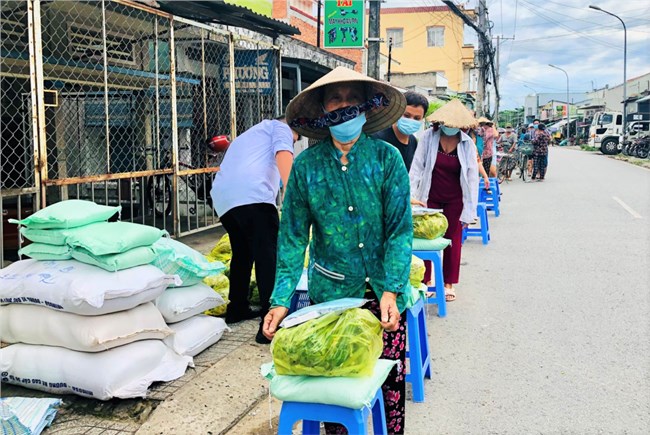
[112, 101]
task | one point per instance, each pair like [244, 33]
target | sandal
[450, 294]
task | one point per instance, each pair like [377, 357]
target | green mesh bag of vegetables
[416, 276]
[430, 226]
[222, 250]
[220, 284]
[348, 343]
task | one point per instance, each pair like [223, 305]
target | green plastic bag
[416, 276]
[50, 237]
[176, 258]
[220, 284]
[222, 251]
[414, 294]
[430, 226]
[113, 237]
[114, 262]
[336, 344]
[42, 251]
[526, 148]
[68, 214]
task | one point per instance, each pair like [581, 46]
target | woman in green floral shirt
[353, 192]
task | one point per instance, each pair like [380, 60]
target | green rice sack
[430, 226]
[347, 343]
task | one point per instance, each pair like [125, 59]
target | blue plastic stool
[490, 199]
[311, 414]
[484, 230]
[418, 353]
[435, 257]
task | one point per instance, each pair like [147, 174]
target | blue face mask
[535, 126]
[408, 125]
[349, 130]
[449, 131]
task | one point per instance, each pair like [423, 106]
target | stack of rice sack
[77, 328]
[182, 305]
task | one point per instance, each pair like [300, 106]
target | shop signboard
[254, 71]
[343, 24]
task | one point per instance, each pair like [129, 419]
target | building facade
[429, 40]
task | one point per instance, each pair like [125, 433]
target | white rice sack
[33, 324]
[80, 288]
[177, 304]
[122, 372]
[192, 336]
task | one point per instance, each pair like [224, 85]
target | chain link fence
[117, 105]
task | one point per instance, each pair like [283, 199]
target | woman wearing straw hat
[353, 191]
[444, 174]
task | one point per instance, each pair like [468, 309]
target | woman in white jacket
[444, 175]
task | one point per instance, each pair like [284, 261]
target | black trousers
[253, 231]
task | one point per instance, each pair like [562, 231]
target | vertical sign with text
[343, 24]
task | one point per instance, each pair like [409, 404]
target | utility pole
[318, 25]
[496, 83]
[390, 57]
[500, 39]
[373, 39]
[482, 67]
[485, 52]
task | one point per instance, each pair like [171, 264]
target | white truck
[605, 130]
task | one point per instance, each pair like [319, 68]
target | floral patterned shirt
[540, 143]
[360, 218]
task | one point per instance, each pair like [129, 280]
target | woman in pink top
[486, 130]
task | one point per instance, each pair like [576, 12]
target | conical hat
[308, 103]
[453, 114]
[484, 120]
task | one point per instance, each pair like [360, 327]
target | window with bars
[86, 44]
[397, 35]
[13, 29]
[435, 36]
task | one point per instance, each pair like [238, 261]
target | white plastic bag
[123, 372]
[318, 310]
[80, 288]
[33, 324]
[177, 304]
[192, 336]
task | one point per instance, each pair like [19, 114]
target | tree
[514, 117]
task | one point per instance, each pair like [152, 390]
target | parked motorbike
[159, 187]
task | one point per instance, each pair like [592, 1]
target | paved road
[551, 329]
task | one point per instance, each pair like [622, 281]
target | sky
[588, 44]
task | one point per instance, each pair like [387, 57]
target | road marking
[627, 208]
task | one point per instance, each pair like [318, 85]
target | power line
[514, 31]
[533, 9]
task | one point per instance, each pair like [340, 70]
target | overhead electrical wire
[534, 9]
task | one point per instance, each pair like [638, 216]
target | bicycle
[507, 163]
